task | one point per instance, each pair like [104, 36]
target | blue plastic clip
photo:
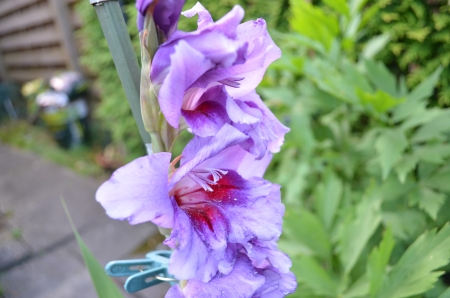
[143, 273]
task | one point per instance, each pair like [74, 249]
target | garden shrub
[365, 168]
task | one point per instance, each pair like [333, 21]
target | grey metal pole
[119, 43]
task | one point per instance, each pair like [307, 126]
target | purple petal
[277, 284]
[138, 191]
[186, 65]
[222, 212]
[204, 17]
[242, 113]
[165, 14]
[261, 52]
[192, 256]
[207, 119]
[201, 149]
[262, 251]
[242, 282]
[261, 220]
[275, 130]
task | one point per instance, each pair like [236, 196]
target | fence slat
[27, 19]
[8, 6]
[23, 75]
[36, 57]
[37, 37]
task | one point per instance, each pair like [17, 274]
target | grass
[22, 135]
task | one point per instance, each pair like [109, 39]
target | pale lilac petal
[192, 257]
[204, 17]
[174, 292]
[186, 65]
[250, 167]
[241, 113]
[242, 282]
[138, 191]
[201, 149]
[277, 284]
[261, 220]
[273, 126]
[262, 251]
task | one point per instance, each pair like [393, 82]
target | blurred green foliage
[364, 170]
[420, 40]
[113, 111]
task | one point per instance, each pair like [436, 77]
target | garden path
[39, 256]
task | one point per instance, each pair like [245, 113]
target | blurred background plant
[365, 167]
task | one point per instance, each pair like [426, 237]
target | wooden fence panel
[36, 38]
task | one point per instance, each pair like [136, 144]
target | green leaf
[406, 165]
[434, 129]
[415, 272]
[308, 272]
[390, 145]
[375, 45]
[405, 224]
[312, 22]
[446, 294]
[381, 77]
[440, 180]
[103, 284]
[356, 233]
[417, 96]
[297, 226]
[380, 100]
[378, 261]
[434, 154]
[338, 5]
[328, 196]
[360, 288]
[431, 202]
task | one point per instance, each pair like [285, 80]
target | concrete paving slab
[33, 198]
[48, 261]
[47, 274]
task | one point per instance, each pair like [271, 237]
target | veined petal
[275, 130]
[204, 17]
[277, 284]
[201, 149]
[138, 191]
[192, 256]
[207, 119]
[186, 65]
[230, 210]
[242, 282]
[261, 220]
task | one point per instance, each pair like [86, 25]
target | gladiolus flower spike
[224, 218]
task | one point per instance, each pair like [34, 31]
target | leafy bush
[365, 167]
[420, 39]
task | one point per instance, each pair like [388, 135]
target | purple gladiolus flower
[224, 52]
[166, 14]
[215, 202]
[244, 281]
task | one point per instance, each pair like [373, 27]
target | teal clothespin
[143, 273]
